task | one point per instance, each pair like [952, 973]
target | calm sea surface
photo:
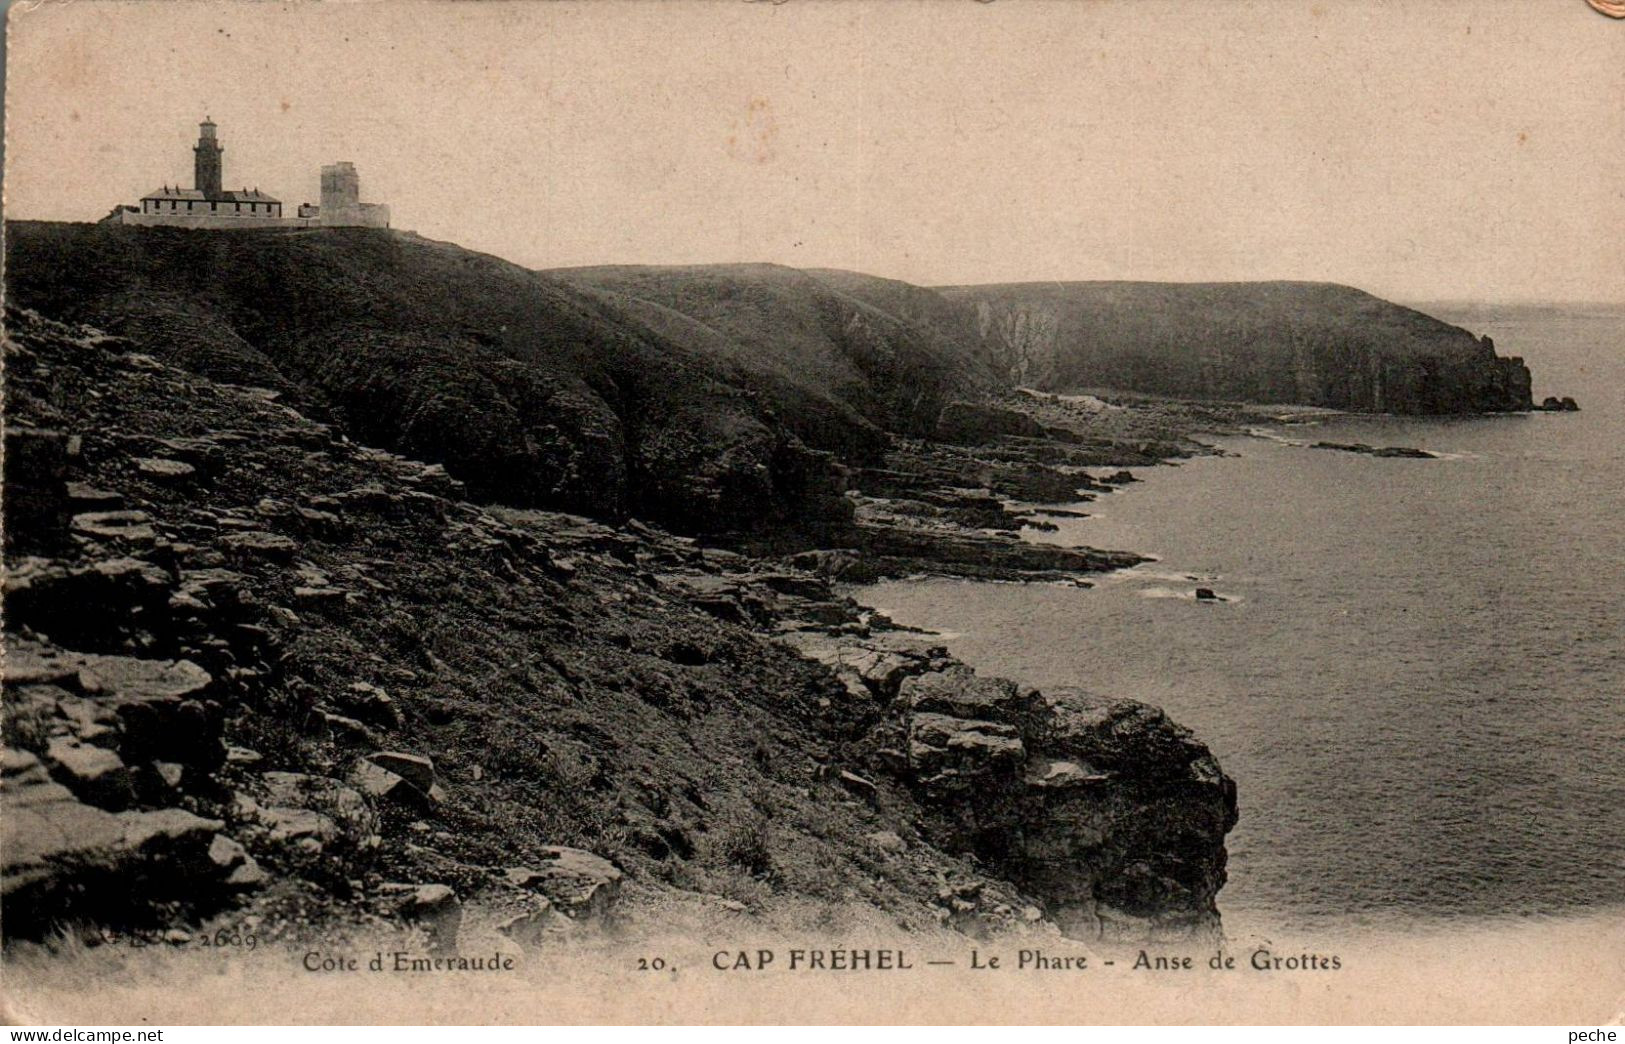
[1418, 681]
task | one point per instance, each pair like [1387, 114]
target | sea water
[1417, 674]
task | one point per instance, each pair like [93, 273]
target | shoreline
[987, 624]
[309, 649]
[271, 553]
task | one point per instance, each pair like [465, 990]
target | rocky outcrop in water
[1408, 452]
[1102, 806]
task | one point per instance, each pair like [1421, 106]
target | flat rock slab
[89, 498]
[132, 528]
[128, 678]
[964, 695]
[124, 677]
[161, 469]
[54, 844]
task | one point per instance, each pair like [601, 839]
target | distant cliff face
[1314, 344]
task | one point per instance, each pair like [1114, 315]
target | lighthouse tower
[206, 163]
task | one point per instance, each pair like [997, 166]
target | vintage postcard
[830, 511]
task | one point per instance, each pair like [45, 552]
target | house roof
[243, 196]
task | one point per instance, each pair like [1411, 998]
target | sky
[1421, 150]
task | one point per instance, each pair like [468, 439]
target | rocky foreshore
[257, 671]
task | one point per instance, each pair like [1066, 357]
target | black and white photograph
[814, 512]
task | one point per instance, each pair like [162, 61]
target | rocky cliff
[714, 399]
[1314, 344]
[258, 671]
[709, 399]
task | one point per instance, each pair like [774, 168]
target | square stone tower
[341, 194]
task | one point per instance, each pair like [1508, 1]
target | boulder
[858, 786]
[825, 563]
[171, 831]
[19, 767]
[345, 729]
[371, 704]
[243, 756]
[129, 678]
[88, 721]
[247, 876]
[801, 586]
[227, 854]
[205, 454]
[327, 599]
[162, 778]
[381, 784]
[414, 768]
[95, 775]
[34, 663]
[299, 827]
